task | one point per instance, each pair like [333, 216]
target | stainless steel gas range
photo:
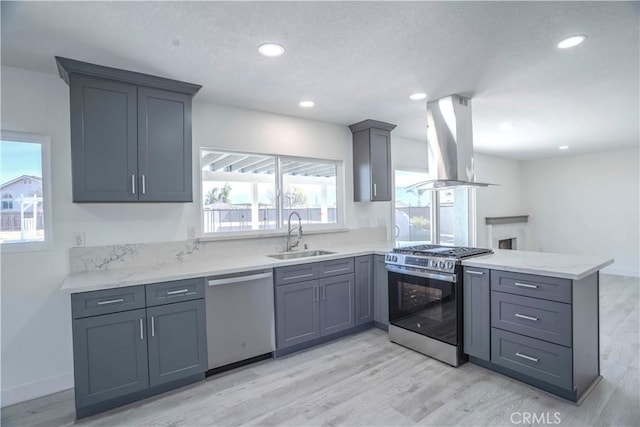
[425, 299]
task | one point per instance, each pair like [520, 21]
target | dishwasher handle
[217, 282]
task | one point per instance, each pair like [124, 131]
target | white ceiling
[360, 60]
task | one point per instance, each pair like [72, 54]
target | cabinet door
[164, 146]
[364, 289]
[477, 312]
[297, 313]
[337, 304]
[109, 356]
[380, 165]
[381, 298]
[177, 341]
[103, 140]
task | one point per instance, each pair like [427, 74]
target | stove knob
[434, 263]
[449, 265]
[395, 258]
[441, 264]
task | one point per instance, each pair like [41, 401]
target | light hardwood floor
[364, 379]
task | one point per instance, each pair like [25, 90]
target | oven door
[424, 303]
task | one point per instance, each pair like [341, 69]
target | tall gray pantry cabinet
[133, 342]
[130, 135]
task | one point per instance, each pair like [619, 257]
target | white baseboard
[40, 388]
[616, 271]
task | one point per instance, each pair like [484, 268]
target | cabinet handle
[324, 293]
[524, 285]
[181, 291]
[144, 186]
[375, 190]
[133, 184]
[153, 327]
[524, 356]
[477, 273]
[316, 293]
[112, 301]
[523, 316]
[141, 330]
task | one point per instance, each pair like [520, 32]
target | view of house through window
[415, 219]
[250, 192]
[21, 190]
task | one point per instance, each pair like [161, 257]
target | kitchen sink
[301, 254]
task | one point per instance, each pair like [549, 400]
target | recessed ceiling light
[418, 96]
[506, 126]
[271, 49]
[307, 104]
[563, 147]
[572, 41]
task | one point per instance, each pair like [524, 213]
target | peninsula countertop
[574, 267]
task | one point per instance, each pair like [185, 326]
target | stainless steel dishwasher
[240, 317]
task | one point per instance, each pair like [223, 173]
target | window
[417, 221]
[24, 180]
[255, 192]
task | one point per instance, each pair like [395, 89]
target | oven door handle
[444, 277]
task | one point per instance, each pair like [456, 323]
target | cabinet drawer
[532, 285]
[538, 359]
[296, 273]
[537, 318]
[335, 267]
[86, 304]
[175, 291]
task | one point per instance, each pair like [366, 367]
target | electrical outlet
[191, 233]
[78, 239]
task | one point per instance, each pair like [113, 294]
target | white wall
[36, 320]
[586, 204]
[504, 199]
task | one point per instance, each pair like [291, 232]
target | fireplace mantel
[496, 220]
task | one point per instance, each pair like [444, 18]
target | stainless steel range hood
[450, 144]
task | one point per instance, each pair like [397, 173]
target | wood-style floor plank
[364, 380]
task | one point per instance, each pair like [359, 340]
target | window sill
[266, 234]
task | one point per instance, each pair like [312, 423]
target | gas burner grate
[458, 252]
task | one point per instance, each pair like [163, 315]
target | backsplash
[166, 253]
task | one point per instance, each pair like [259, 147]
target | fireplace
[507, 232]
[509, 243]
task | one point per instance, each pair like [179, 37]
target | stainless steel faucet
[299, 228]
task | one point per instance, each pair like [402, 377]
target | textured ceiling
[360, 60]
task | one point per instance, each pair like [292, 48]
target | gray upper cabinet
[110, 356]
[177, 341]
[130, 135]
[364, 289]
[372, 160]
[477, 312]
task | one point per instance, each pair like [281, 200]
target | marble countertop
[131, 276]
[573, 267]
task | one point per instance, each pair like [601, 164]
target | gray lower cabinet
[364, 289]
[336, 304]
[125, 349]
[297, 313]
[130, 135]
[110, 356]
[381, 291]
[477, 312]
[308, 310]
[541, 330]
[177, 341]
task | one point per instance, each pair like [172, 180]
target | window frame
[47, 200]
[435, 210]
[281, 228]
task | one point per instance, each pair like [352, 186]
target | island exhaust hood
[450, 144]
